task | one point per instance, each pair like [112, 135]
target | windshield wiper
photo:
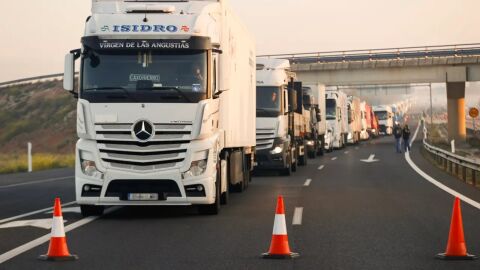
[176, 89]
[123, 89]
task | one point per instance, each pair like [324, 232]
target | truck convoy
[166, 105]
[280, 124]
[385, 119]
[337, 117]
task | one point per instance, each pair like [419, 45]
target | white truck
[279, 125]
[166, 104]
[354, 120]
[337, 117]
[385, 119]
[314, 100]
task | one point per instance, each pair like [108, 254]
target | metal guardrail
[453, 163]
[458, 50]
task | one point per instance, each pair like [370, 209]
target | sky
[36, 34]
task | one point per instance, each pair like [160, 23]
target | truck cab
[337, 117]
[314, 100]
[166, 105]
[385, 119]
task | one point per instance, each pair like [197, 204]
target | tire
[226, 195]
[91, 210]
[214, 208]
[288, 170]
[321, 149]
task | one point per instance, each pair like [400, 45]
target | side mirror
[69, 72]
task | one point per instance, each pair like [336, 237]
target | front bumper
[171, 186]
[266, 160]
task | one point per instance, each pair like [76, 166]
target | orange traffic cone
[279, 248]
[58, 250]
[456, 247]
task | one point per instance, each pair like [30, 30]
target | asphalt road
[356, 215]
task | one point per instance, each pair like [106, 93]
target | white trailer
[166, 104]
[337, 117]
[384, 115]
[364, 135]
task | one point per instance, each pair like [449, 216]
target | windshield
[144, 76]
[268, 101]
[331, 106]
[381, 115]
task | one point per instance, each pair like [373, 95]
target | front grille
[265, 138]
[166, 150]
[121, 188]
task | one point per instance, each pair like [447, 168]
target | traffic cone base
[444, 256]
[292, 255]
[58, 259]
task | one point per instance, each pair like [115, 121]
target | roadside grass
[18, 163]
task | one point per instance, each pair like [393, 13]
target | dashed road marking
[346, 152]
[307, 182]
[356, 148]
[334, 158]
[297, 216]
[37, 182]
[321, 167]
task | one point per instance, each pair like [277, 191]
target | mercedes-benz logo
[143, 130]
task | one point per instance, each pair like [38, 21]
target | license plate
[143, 196]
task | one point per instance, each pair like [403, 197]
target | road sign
[473, 112]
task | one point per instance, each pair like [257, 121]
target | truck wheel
[294, 164]
[91, 210]
[225, 195]
[214, 208]
[321, 149]
[313, 154]
[287, 171]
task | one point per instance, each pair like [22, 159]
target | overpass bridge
[451, 64]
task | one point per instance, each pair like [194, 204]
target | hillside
[41, 113]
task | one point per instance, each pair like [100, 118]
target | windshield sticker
[144, 44]
[196, 87]
[144, 77]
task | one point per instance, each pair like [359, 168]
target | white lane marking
[356, 148]
[370, 159]
[435, 182]
[346, 152]
[37, 242]
[334, 158]
[33, 213]
[307, 182]
[321, 167]
[44, 223]
[75, 209]
[297, 216]
[37, 182]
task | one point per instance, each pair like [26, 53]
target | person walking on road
[397, 133]
[406, 138]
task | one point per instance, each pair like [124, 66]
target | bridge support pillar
[456, 111]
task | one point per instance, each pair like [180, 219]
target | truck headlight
[277, 150]
[311, 143]
[198, 165]
[350, 136]
[89, 168]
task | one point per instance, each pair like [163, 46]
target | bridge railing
[458, 50]
[466, 169]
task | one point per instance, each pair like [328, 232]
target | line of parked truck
[174, 108]
[296, 121]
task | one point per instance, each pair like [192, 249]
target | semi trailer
[166, 105]
[337, 117]
[280, 126]
[354, 120]
[385, 119]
